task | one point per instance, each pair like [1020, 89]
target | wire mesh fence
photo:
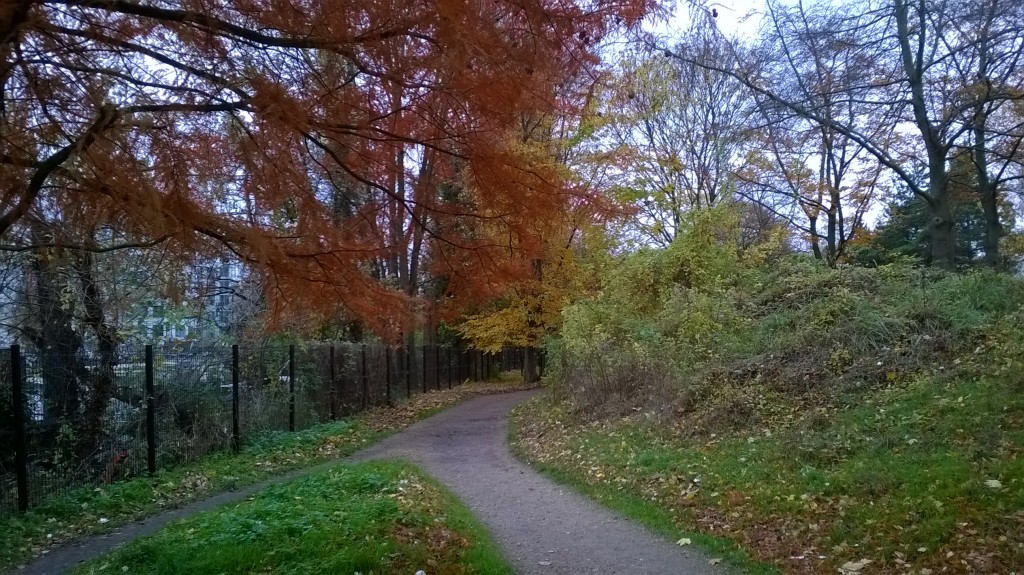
[69, 420]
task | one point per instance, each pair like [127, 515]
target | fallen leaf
[851, 567]
[993, 483]
[684, 541]
[715, 561]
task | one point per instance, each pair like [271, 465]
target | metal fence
[159, 406]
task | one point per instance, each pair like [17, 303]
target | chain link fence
[74, 420]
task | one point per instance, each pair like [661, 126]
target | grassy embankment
[90, 511]
[379, 517]
[820, 421]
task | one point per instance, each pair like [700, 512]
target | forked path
[543, 528]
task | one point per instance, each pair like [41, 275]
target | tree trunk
[993, 226]
[58, 344]
[987, 189]
[531, 365]
[988, 195]
[831, 247]
[815, 240]
[942, 237]
[102, 388]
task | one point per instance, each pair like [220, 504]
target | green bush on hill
[847, 420]
[704, 326]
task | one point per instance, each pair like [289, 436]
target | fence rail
[68, 421]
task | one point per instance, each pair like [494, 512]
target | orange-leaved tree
[544, 271]
[313, 142]
[292, 135]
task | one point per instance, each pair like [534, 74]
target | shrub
[726, 335]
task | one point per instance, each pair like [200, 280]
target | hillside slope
[853, 420]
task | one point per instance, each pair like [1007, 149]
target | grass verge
[536, 418]
[378, 517]
[921, 478]
[89, 511]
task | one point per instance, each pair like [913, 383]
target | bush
[676, 329]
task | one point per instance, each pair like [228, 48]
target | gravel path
[542, 528]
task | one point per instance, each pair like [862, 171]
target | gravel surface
[543, 528]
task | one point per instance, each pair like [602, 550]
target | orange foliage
[329, 144]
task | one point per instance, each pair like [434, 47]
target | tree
[286, 139]
[991, 76]
[674, 130]
[529, 310]
[911, 48]
[526, 306]
[130, 111]
[820, 178]
[905, 230]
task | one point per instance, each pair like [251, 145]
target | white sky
[735, 18]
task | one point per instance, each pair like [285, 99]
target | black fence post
[20, 440]
[408, 371]
[343, 362]
[449, 353]
[366, 379]
[332, 393]
[424, 348]
[150, 413]
[387, 374]
[437, 366]
[291, 387]
[236, 426]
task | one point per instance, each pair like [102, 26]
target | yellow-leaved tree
[530, 309]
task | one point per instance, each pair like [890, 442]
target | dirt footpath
[542, 527]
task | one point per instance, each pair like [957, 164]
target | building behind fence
[171, 406]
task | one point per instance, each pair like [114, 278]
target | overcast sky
[735, 17]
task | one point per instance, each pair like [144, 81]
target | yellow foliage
[531, 308]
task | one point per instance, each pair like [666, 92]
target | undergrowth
[728, 353]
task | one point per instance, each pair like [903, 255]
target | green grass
[651, 514]
[903, 477]
[379, 517]
[96, 509]
[661, 521]
[92, 510]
